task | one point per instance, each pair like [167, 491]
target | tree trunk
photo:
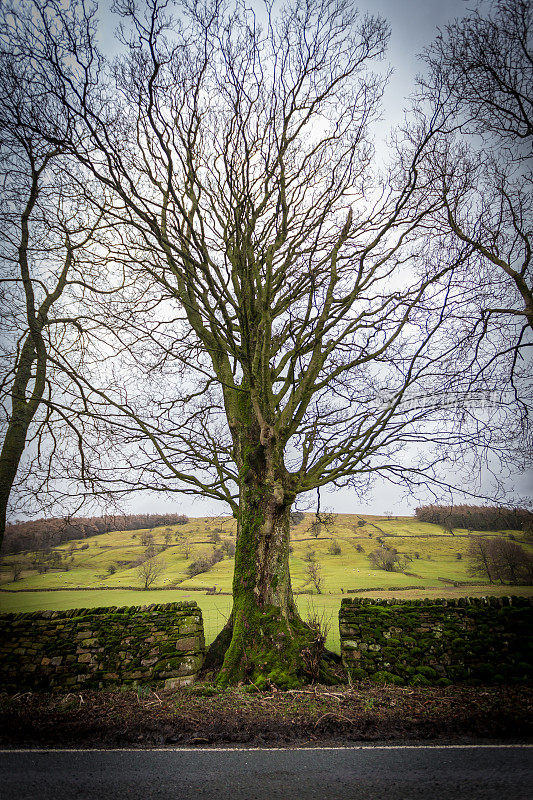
[12, 450]
[22, 414]
[267, 642]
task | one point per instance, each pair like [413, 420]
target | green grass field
[433, 568]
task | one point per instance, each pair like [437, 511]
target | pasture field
[216, 608]
[432, 568]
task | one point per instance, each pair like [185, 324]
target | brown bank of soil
[315, 715]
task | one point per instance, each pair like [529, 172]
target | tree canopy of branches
[300, 315]
[52, 243]
[477, 94]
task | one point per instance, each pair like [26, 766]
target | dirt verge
[315, 715]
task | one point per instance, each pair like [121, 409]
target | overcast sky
[414, 25]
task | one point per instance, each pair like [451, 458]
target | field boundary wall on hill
[102, 647]
[473, 640]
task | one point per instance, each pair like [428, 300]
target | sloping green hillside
[429, 556]
[103, 570]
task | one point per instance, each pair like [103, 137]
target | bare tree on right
[476, 95]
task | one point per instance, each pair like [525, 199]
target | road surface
[356, 773]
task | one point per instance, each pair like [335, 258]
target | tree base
[265, 648]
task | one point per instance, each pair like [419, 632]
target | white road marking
[263, 749]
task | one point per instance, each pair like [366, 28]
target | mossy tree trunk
[268, 638]
[269, 641]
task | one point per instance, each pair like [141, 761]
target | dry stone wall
[438, 642]
[102, 647]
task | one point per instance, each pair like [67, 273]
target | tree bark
[270, 643]
[22, 413]
[12, 450]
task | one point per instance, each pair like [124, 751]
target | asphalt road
[368, 772]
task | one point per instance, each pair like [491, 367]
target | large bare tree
[304, 333]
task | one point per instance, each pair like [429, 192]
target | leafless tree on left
[51, 252]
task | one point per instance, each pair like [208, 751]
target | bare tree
[150, 569]
[48, 274]
[147, 539]
[228, 547]
[17, 568]
[204, 562]
[334, 548]
[296, 518]
[480, 562]
[514, 564]
[500, 560]
[479, 86]
[385, 558]
[313, 574]
[301, 323]
[322, 521]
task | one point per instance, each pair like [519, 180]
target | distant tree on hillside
[296, 517]
[149, 570]
[16, 570]
[313, 574]
[147, 539]
[201, 564]
[448, 527]
[309, 554]
[499, 560]
[514, 565]
[385, 558]
[228, 547]
[479, 518]
[67, 562]
[323, 521]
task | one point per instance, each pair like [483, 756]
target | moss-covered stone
[100, 647]
[435, 642]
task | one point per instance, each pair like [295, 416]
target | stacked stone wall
[438, 642]
[102, 647]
